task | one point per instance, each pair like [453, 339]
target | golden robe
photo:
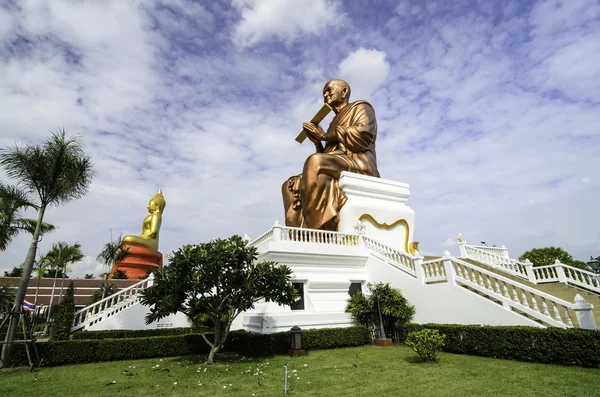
[314, 199]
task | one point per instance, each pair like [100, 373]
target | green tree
[12, 201]
[56, 172]
[547, 255]
[16, 271]
[119, 275]
[112, 252]
[7, 297]
[40, 268]
[106, 289]
[212, 283]
[59, 259]
[64, 315]
[396, 312]
[88, 276]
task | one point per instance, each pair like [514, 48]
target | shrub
[426, 343]
[133, 333]
[532, 344]
[62, 320]
[396, 312]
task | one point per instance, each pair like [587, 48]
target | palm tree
[112, 252]
[12, 201]
[56, 172]
[59, 258]
[40, 268]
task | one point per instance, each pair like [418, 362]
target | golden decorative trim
[386, 226]
[413, 247]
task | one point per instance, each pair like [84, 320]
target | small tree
[88, 276]
[12, 201]
[213, 282]
[112, 252]
[426, 343]
[396, 312]
[64, 315]
[547, 255]
[119, 275]
[16, 271]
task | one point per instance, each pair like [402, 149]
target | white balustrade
[492, 256]
[302, 235]
[434, 271]
[514, 295]
[404, 260]
[582, 278]
[110, 305]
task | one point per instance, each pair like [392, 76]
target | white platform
[380, 204]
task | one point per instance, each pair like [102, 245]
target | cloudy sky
[490, 110]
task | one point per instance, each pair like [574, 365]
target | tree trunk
[7, 348]
[51, 300]
[211, 356]
[37, 290]
[62, 284]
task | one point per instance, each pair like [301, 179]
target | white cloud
[364, 70]
[286, 20]
[451, 242]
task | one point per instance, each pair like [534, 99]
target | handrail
[514, 294]
[304, 235]
[404, 259]
[123, 297]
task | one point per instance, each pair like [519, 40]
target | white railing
[434, 271]
[556, 273]
[403, 260]
[514, 295]
[487, 256]
[503, 251]
[262, 239]
[301, 235]
[110, 305]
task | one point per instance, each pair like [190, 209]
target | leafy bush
[426, 343]
[541, 345]
[62, 320]
[133, 333]
[396, 312]
[92, 350]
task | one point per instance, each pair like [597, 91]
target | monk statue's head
[157, 203]
[336, 93]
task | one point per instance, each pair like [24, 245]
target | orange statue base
[139, 261]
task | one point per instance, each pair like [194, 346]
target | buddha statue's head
[157, 203]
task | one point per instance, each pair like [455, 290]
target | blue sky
[488, 109]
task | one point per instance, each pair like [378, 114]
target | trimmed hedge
[572, 346]
[252, 344]
[132, 333]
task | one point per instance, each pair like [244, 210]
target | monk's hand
[314, 132]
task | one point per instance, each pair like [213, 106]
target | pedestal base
[383, 342]
[139, 261]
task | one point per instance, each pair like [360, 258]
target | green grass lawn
[363, 371]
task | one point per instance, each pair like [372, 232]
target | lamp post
[382, 340]
[296, 341]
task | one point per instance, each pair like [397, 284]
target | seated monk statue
[151, 224]
[314, 199]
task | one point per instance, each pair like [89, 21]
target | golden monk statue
[313, 199]
[151, 224]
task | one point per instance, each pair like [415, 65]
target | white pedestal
[380, 205]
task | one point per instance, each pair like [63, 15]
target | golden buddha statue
[151, 224]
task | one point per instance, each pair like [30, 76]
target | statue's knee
[313, 161]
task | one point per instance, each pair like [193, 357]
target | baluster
[486, 279]
[515, 294]
[478, 277]
[496, 287]
[458, 269]
[567, 317]
[556, 312]
[534, 303]
[524, 298]
[545, 307]
[433, 272]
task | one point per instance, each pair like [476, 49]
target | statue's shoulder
[364, 105]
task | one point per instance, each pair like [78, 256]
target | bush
[249, 343]
[133, 333]
[572, 346]
[396, 312]
[62, 320]
[426, 343]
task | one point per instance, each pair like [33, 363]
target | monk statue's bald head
[336, 94]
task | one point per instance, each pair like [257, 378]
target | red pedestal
[139, 261]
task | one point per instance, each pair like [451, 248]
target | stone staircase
[560, 290]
